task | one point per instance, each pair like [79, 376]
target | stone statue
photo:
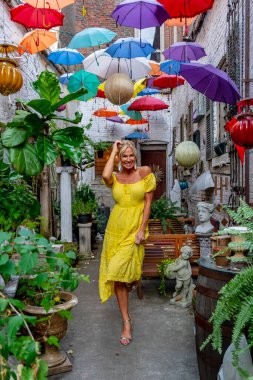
[181, 270]
[205, 211]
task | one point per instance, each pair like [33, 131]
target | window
[196, 138]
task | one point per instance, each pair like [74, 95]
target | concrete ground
[163, 336]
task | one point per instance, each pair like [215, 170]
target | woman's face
[128, 159]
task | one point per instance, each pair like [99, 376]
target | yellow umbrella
[102, 86]
[52, 4]
[139, 86]
[37, 40]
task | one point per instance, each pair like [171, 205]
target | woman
[123, 250]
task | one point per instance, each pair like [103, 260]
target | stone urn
[55, 325]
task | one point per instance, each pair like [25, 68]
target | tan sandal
[125, 341]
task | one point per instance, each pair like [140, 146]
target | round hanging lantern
[11, 79]
[242, 131]
[119, 88]
[187, 154]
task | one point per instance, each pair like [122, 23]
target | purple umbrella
[185, 51]
[215, 84]
[140, 14]
[115, 119]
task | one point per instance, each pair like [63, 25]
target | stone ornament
[119, 88]
[205, 211]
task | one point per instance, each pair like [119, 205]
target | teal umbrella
[83, 79]
[135, 115]
[90, 37]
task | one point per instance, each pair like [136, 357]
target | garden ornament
[205, 211]
[181, 270]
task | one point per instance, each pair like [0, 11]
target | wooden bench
[166, 246]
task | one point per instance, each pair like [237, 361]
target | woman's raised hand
[116, 146]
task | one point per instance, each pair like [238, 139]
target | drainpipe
[247, 92]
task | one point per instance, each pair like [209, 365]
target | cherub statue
[181, 270]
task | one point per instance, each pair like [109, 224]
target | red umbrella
[135, 122]
[32, 17]
[147, 103]
[168, 81]
[100, 94]
[186, 8]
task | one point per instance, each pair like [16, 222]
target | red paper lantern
[242, 131]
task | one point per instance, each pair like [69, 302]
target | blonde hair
[127, 144]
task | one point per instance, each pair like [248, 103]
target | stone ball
[187, 154]
[119, 88]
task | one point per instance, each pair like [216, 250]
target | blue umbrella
[130, 48]
[66, 57]
[64, 78]
[90, 37]
[137, 135]
[170, 67]
[149, 91]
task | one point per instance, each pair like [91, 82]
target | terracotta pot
[11, 79]
[221, 261]
[55, 325]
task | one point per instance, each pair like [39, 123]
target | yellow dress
[121, 258]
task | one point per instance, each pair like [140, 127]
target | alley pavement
[163, 336]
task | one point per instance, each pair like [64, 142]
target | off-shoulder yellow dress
[121, 258]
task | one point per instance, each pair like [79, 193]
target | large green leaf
[69, 97]
[25, 160]
[13, 137]
[34, 123]
[47, 86]
[18, 120]
[73, 154]
[42, 106]
[4, 154]
[76, 120]
[71, 136]
[46, 150]
[14, 324]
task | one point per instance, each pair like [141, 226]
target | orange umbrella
[104, 112]
[37, 40]
[179, 21]
[52, 4]
[135, 122]
[155, 68]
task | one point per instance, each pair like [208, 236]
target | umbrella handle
[44, 22]
[147, 128]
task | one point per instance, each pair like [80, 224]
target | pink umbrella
[168, 81]
[148, 103]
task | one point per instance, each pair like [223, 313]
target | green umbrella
[83, 79]
[90, 37]
[135, 115]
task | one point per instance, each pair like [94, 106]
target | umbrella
[36, 41]
[51, 4]
[140, 14]
[179, 21]
[147, 103]
[66, 57]
[186, 8]
[185, 51]
[168, 81]
[90, 37]
[137, 135]
[130, 48]
[100, 94]
[155, 68]
[203, 182]
[215, 84]
[64, 78]
[170, 67]
[82, 79]
[136, 115]
[115, 119]
[139, 86]
[104, 66]
[137, 122]
[149, 91]
[105, 112]
[31, 17]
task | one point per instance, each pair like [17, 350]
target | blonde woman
[123, 250]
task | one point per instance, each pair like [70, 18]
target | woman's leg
[122, 298]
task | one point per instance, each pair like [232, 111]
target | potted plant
[100, 147]
[84, 204]
[163, 209]
[45, 279]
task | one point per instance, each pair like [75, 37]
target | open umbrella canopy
[37, 40]
[64, 78]
[185, 51]
[168, 81]
[155, 68]
[103, 65]
[147, 103]
[115, 119]
[137, 135]
[140, 14]
[100, 94]
[148, 91]
[90, 37]
[139, 85]
[50, 4]
[66, 57]
[31, 17]
[137, 122]
[136, 115]
[179, 21]
[214, 83]
[82, 79]
[186, 8]
[105, 112]
[170, 67]
[130, 48]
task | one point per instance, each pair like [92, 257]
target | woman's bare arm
[108, 169]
